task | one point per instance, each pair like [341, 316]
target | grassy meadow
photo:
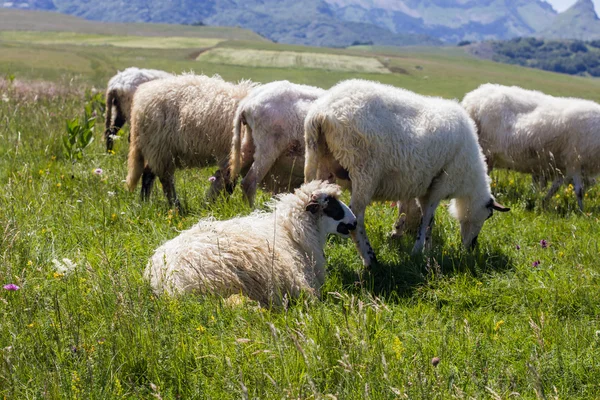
[514, 319]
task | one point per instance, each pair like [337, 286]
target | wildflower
[397, 347]
[512, 182]
[113, 217]
[53, 158]
[200, 329]
[31, 325]
[518, 247]
[11, 287]
[212, 179]
[536, 263]
[58, 185]
[435, 361]
[111, 193]
[63, 267]
[543, 243]
[111, 152]
[58, 275]
[498, 325]
[98, 171]
[29, 263]
[101, 340]
[393, 204]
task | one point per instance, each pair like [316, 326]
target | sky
[561, 5]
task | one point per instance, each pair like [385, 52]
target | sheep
[273, 116]
[183, 121]
[533, 132]
[119, 95]
[398, 145]
[264, 256]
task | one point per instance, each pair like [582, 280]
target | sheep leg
[554, 188]
[148, 178]
[358, 205]
[408, 220]
[424, 233]
[263, 161]
[579, 189]
[168, 183]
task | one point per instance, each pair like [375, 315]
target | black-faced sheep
[398, 145]
[181, 122]
[264, 256]
[532, 132]
[273, 145]
[119, 96]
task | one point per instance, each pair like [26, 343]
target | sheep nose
[345, 229]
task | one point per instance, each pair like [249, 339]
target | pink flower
[543, 243]
[536, 264]
[212, 179]
[98, 171]
[12, 287]
[393, 204]
[518, 247]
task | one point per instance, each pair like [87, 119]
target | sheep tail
[110, 98]
[315, 144]
[235, 159]
[135, 163]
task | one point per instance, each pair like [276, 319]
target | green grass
[500, 326]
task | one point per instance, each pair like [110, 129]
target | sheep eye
[334, 209]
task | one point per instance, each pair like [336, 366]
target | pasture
[517, 318]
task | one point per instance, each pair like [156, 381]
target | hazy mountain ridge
[344, 22]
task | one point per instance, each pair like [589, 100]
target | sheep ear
[497, 206]
[313, 207]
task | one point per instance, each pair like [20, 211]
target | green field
[501, 327]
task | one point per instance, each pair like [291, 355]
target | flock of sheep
[382, 142]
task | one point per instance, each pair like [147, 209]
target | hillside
[288, 21]
[578, 22]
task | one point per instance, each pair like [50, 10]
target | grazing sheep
[181, 122]
[273, 115]
[532, 132]
[119, 95]
[398, 145]
[263, 256]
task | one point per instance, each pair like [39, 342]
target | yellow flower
[58, 185]
[58, 275]
[561, 254]
[31, 325]
[201, 329]
[557, 196]
[113, 217]
[41, 172]
[397, 347]
[53, 158]
[512, 182]
[498, 325]
[29, 263]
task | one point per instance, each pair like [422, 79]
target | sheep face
[333, 215]
[472, 224]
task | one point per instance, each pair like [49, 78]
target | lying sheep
[532, 132]
[119, 95]
[273, 145]
[398, 145]
[263, 256]
[181, 122]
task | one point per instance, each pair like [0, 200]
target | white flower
[5, 98]
[112, 193]
[65, 266]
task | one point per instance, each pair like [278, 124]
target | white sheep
[398, 145]
[532, 132]
[182, 122]
[273, 145]
[119, 95]
[264, 256]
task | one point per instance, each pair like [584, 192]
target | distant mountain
[309, 22]
[578, 22]
[347, 22]
[450, 20]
